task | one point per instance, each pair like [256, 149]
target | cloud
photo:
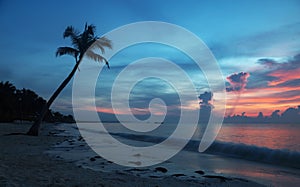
[267, 62]
[205, 98]
[286, 94]
[283, 73]
[278, 42]
[275, 114]
[237, 81]
[285, 64]
[275, 42]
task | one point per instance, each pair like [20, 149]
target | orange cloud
[284, 75]
[104, 110]
[264, 100]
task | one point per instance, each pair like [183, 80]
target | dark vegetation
[24, 105]
[291, 116]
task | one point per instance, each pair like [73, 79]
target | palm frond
[94, 56]
[106, 62]
[91, 29]
[84, 43]
[73, 34]
[70, 31]
[101, 43]
[67, 51]
[87, 44]
[86, 38]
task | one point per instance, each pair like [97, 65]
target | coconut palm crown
[81, 42]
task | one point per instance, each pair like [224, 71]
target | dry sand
[23, 162]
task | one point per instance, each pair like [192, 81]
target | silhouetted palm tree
[30, 103]
[81, 43]
[7, 101]
[7, 87]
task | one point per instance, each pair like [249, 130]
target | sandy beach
[24, 162]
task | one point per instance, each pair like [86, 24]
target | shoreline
[25, 160]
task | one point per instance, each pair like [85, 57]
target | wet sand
[24, 162]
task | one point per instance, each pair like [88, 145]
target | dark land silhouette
[290, 115]
[24, 105]
[205, 106]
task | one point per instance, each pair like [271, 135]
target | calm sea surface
[273, 136]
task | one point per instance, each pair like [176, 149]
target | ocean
[266, 153]
[272, 136]
[269, 143]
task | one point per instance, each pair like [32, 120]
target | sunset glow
[284, 76]
[259, 62]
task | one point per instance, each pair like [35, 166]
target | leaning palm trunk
[34, 129]
[81, 43]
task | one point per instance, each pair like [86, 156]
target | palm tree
[81, 42]
[8, 101]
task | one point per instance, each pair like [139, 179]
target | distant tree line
[290, 115]
[25, 104]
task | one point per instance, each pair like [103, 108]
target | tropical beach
[26, 161]
[150, 93]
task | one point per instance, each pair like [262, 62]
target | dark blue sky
[239, 33]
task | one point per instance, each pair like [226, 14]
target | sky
[255, 43]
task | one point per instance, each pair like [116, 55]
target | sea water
[267, 153]
[277, 144]
[272, 136]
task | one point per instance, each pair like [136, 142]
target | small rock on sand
[161, 169]
[200, 172]
[178, 175]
